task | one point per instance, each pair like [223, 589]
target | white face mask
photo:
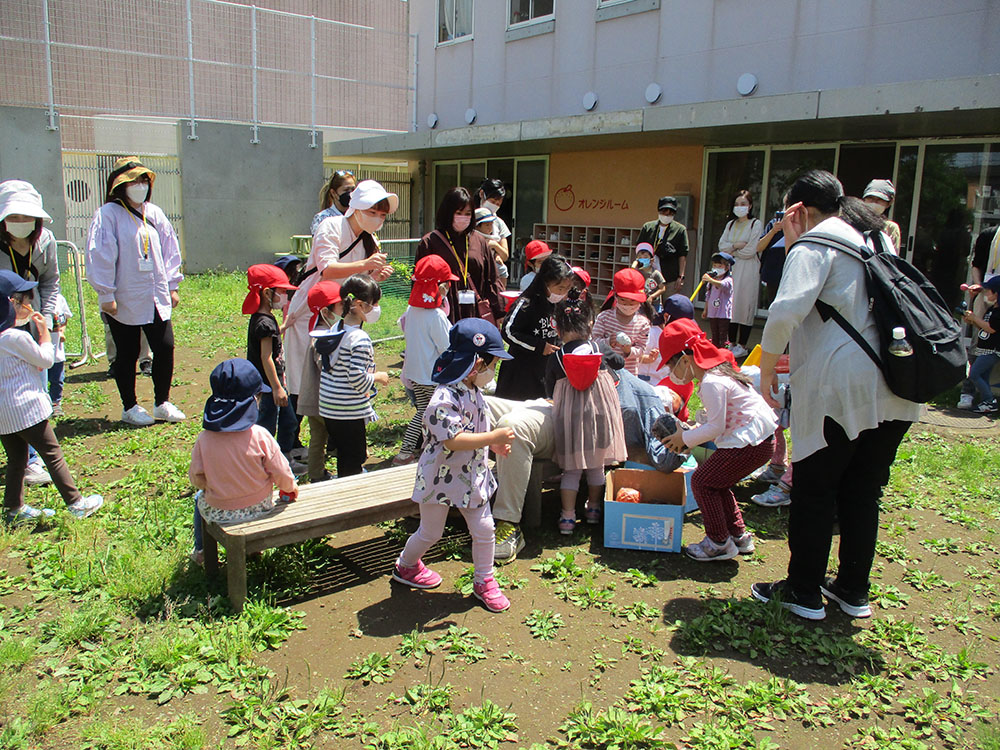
[554, 298]
[677, 378]
[721, 270]
[666, 219]
[373, 315]
[484, 378]
[278, 300]
[876, 207]
[328, 317]
[370, 223]
[19, 229]
[491, 206]
[137, 192]
[460, 222]
[741, 211]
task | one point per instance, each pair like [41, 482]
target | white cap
[899, 332]
[367, 194]
[20, 197]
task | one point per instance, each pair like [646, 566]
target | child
[740, 423]
[326, 307]
[719, 298]
[452, 471]
[656, 285]
[347, 373]
[268, 291]
[235, 463]
[581, 285]
[57, 373]
[588, 424]
[486, 225]
[624, 318]
[988, 345]
[530, 332]
[535, 252]
[426, 330]
[24, 414]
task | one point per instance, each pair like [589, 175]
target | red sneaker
[419, 576]
[489, 593]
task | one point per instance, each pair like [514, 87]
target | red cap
[433, 268]
[582, 275]
[581, 369]
[260, 277]
[323, 294]
[536, 249]
[684, 334]
[630, 284]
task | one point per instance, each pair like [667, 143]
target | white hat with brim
[367, 194]
[20, 197]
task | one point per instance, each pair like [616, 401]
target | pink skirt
[588, 424]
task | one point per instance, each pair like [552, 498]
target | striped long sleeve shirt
[345, 389]
[23, 401]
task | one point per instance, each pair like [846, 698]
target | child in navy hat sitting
[452, 470]
[235, 462]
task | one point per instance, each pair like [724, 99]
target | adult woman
[26, 246]
[846, 424]
[880, 195]
[134, 265]
[476, 293]
[342, 246]
[490, 196]
[740, 239]
[334, 198]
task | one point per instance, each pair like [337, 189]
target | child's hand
[501, 449]
[704, 313]
[502, 435]
[550, 349]
[111, 308]
[650, 356]
[39, 320]
[706, 277]
[969, 316]
[382, 378]
[280, 396]
[675, 442]
[289, 497]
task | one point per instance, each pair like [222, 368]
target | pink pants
[432, 520]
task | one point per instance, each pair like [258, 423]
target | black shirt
[990, 342]
[669, 248]
[264, 325]
[981, 253]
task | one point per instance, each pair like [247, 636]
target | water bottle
[900, 347]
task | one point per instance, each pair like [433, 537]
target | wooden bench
[321, 509]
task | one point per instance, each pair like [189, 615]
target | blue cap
[726, 257]
[678, 306]
[286, 260]
[993, 284]
[7, 313]
[11, 283]
[468, 338]
[232, 407]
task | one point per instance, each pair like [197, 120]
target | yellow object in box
[753, 358]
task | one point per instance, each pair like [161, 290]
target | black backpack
[899, 295]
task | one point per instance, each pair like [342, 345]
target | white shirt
[736, 415]
[23, 401]
[426, 338]
[119, 246]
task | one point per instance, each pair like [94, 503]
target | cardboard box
[654, 524]
[687, 468]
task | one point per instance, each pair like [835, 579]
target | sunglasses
[343, 173]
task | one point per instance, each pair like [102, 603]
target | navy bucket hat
[7, 314]
[232, 407]
[468, 338]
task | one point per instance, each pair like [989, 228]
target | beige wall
[602, 183]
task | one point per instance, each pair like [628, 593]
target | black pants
[43, 439]
[846, 477]
[348, 435]
[160, 335]
[740, 334]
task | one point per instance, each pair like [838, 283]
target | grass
[112, 640]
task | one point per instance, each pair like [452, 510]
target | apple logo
[564, 198]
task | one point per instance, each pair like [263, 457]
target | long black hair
[491, 187]
[821, 190]
[454, 201]
[574, 316]
[554, 269]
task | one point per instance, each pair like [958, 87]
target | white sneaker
[138, 417]
[167, 412]
[772, 475]
[964, 401]
[774, 497]
[744, 544]
[86, 506]
[35, 473]
[738, 351]
[708, 551]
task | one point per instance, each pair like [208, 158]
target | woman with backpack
[846, 423]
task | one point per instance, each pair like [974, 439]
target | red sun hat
[430, 271]
[535, 250]
[581, 369]
[686, 335]
[630, 284]
[582, 275]
[260, 277]
[323, 294]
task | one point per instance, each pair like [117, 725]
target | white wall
[695, 50]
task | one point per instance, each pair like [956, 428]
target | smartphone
[779, 215]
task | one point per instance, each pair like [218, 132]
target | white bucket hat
[367, 194]
[20, 197]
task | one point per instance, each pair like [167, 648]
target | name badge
[466, 297]
[145, 265]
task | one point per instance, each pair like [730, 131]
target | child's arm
[271, 372]
[711, 280]
[359, 375]
[499, 439]
[971, 317]
[40, 355]
[713, 399]
[196, 471]
[277, 467]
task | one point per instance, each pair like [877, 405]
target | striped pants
[413, 438]
[713, 481]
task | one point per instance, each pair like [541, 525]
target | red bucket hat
[535, 250]
[686, 335]
[582, 275]
[260, 277]
[430, 271]
[630, 284]
[323, 294]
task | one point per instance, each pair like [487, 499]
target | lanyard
[463, 267]
[143, 235]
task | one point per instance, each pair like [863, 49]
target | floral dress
[461, 479]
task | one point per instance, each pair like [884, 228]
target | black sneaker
[850, 604]
[808, 608]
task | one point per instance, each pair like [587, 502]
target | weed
[561, 567]
[943, 715]
[483, 726]
[888, 597]
[945, 546]
[183, 733]
[464, 582]
[613, 728]
[415, 644]
[424, 698]
[893, 738]
[375, 668]
[727, 734]
[892, 551]
[639, 611]
[544, 624]
[461, 643]
[639, 579]
[270, 717]
[925, 580]
[602, 663]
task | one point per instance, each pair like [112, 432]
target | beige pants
[317, 448]
[534, 437]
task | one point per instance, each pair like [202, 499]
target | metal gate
[397, 226]
[85, 176]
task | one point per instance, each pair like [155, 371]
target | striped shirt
[608, 326]
[23, 401]
[345, 389]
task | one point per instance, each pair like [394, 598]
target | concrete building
[591, 109]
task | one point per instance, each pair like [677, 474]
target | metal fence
[209, 59]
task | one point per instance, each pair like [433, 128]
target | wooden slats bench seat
[321, 509]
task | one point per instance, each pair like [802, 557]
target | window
[454, 20]
[607, 9]
[522, 11]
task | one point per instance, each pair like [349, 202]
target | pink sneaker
[419, 576]
[489, 593]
